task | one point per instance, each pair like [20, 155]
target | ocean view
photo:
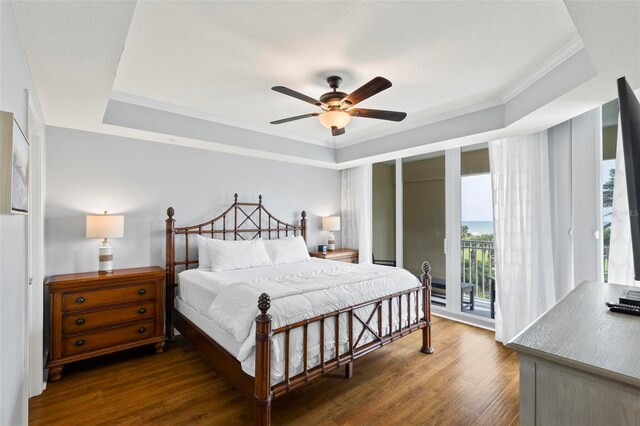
[478, 227]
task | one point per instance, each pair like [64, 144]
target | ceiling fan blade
[298, 95]
[378, 113]
[297, 117]
[369, 89]
[337, 132]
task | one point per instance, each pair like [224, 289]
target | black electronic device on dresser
[629, 302]
[630, 128]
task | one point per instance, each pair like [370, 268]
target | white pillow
[230, 255]
[204, 261]
[287, 250]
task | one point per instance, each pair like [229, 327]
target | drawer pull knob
[142, 291]
[79, 342]
[80, 321]
[80, 299]
[142, 330]
[142, 310]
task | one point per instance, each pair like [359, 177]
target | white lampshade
[331, 223]
[334, 118]
[105, 226]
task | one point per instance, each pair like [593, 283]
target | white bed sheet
[221, 337]
[198, 290]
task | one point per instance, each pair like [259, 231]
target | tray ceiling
[222, 58]
[199, 73]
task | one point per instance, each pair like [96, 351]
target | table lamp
[331, 223]
[105, 226]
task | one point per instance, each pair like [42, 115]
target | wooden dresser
[340, 255]
[98, 313]
[580, 363]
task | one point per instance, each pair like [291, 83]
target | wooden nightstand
[98, 313]
[341, 255]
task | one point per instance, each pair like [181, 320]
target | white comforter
[300, 296]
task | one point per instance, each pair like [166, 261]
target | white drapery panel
[620, 249]
[522, 219]
[357, 210]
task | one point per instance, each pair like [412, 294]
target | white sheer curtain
[620, 251]
[522, 219]
[356, 210]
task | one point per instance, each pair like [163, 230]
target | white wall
[89, 173]
[15, 80]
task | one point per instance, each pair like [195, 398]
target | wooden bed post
[426, 308]
[303, 224]
[235, 216]
[171, 274]
[263, 362]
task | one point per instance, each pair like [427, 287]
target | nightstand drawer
[91, 299]
[339, 255]
[98, 339]
[95, 319]
[346, 259]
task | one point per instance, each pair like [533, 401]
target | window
[610, 112]
[424, 219]
[384, 213]
[477, 255]
[438, 207]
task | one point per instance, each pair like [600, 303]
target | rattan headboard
[241, 221]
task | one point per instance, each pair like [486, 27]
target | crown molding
[465, 113]
[568, 51]
[538, 73]
[543, 69]
[177, 109]
[423, 122]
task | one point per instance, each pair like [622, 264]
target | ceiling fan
[337, 107]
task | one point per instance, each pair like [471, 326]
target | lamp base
[105, 257]
[331, 242]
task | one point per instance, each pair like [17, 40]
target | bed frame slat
[337, 339]
[399, 312]
[322, 345]
[390, 316]
[305, 349]
[286, 359]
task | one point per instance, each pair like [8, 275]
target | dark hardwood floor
[470, 379]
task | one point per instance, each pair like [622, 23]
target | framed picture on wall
[14, 167]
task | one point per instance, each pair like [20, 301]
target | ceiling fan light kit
[337, 107]
[334, 118]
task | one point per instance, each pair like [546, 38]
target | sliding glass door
[424, 219]
[384, 213]
[610, 113]
[438, 207]
[477, 257]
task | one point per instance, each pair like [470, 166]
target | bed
[273, 328]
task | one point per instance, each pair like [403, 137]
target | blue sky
[476, 198]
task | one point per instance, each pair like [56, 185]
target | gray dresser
[580, 363]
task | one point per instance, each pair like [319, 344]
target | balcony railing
[606, 261]
[478, 262]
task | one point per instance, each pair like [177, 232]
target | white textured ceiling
[73, 72]
[222, 58]
[198, 73]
